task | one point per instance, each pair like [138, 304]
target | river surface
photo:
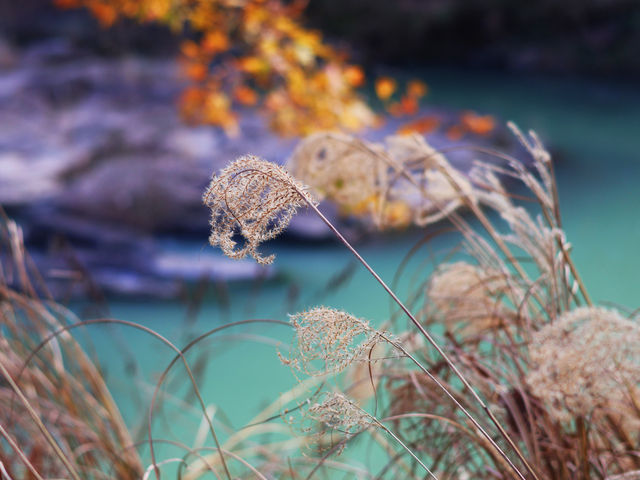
[595, 128]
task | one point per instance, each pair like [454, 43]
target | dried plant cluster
[254, 199]
[57, 418]
[328, 341]
[565, 378]
[337, 412]
[330, 422]
[405, 182]
[529, 379]
[466, 298]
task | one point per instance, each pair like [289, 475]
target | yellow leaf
[385, 87]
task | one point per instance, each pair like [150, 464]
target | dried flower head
[635, 475]
[467, 294]
[589, 358]
[340, 167]
[330, 422]
[254, 198]
[406, 182]
[434, 187]
[328, 341]
[339, 413]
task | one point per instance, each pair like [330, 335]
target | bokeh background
[105, 176]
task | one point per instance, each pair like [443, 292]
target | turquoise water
[595, 129]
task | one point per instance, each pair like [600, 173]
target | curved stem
[20, 453]
[166, 342]
[402, 444]
[41, 426]
[442, 353]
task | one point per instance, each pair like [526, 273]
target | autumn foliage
[256, 53]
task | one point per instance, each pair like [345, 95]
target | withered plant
[504, 370]
[528, 379]
[57, 417]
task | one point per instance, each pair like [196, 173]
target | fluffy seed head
[395, 186]
[337, 412]
[589, 358]
[467, 294]
[341, 168]
[253, 198]
[328, 340]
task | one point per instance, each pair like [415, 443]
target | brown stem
[20, 453]
[41, 426]
[446, 358]
[584, 456]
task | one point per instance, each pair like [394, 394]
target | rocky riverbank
[100, 170]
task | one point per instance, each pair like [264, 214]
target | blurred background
[103, 161]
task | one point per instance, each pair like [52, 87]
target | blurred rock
[8, 57]
[92, 150]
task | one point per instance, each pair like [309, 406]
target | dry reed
[557, 380]
[57, 416]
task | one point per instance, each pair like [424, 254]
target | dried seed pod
[588, 359]
[328, 341]
[337, 412]
[253, 198]
[468, 296]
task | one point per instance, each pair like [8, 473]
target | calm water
[596, 129]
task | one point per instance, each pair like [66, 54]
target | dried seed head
[466, 294]
[328, 340]
[429, 183]
[337, 412]
[339, 167]
[589, 358]
[396, 186]
[254, 198]
[635, 475]
[330, 422]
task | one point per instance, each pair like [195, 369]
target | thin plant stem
[402, 444]
[584, 446]
[41, 426]
[166, 342]
[453, 399]
[439, 349]
[20, 453]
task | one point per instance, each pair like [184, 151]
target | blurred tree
[255, 53]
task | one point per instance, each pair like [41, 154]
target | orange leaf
[409, 105]
[196, 71]
[455, 133]
[354, 76]
[105, 14]
[189, 48]
[67, 3]
[478, 124]
[417, 89]
[245, 95]
[422, 125]
[215, 42]
[385, 87]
